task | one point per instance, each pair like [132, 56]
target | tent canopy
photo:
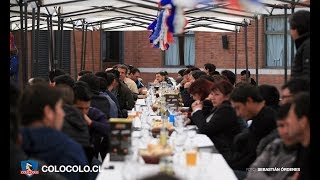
[136, 15]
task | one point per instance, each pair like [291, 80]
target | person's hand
[188, 121]
[187, 85]
[88, 120]
[196, 105]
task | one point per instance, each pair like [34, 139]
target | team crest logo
[29, 167]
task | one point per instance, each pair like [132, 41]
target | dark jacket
[55, 148]
[99, 130]
[222, 127]
[275, 155]
[17, 155]
[186, 97]
[301, 62]
[75, 126]
[124, 97]
[303, 162]
[101, 102]
[245, 143]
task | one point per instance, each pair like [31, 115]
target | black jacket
[245, 143]
[301, 62]
[75, 126]
[124, 97]
[222, 127]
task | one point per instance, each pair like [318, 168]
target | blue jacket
[55, 148]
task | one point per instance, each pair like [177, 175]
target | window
[112, 47]
[182, 51]
[274, 32]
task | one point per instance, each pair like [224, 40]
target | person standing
[300, 33]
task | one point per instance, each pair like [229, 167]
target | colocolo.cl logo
[29, 167]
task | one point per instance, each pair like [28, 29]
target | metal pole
[37, 39]
[285, 43]
[292, 43]
[246, 48]
[58, 34]
[82, 47]
[25, 78]
[49, 42]
[53, 57]
[22, 42]
[92, 51]
[236, 51]
[100, 62]
[75, 52]
[32, 41]
[61, 43]
[85, 46]
[257, 48]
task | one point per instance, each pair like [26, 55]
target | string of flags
[171, 20]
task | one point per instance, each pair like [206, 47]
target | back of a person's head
[134, 70]
[296, 85]
[102, 74]
[161, 176]
[300, 20]
[197, 73]
[180, 72]
[244, 72]
[194, 69]
[64, 79]
[36, 80]
[114, 72]
[283, 112]
[224, 86]
[93, 81]
[301, 104]
[207, 77]
[82, 91]
[187, 71]
[103, 84]
[218, 78]
[54, 73]
[110, 78]
[66, 93]
[242, 92]
[201, 87]
[270, 94]
[83, 72]
[210, 67]
[230, 75]
[33, 101]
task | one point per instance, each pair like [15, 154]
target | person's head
[200, 89]
[54, 73]
[299, 118]
[245, 99]
[66, 93]
[82, 96]
[282, 125]
[292, 87]
[135, 74]
[209, 68]
[103, 84]
[207, 77]
[230, 75]
[299, 23]
[196, 74]
[186, 75]
[83, 72]
[93, 81]
[64, 79]
[36, 80]
[41, 104]
[218, 78]
[243, 75]
[123, 70]
[220, 92]
[111, 81]
[161, 76]
[270, 94]
[180, 73]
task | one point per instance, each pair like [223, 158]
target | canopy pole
[49, 43]
[100, 62]
[285, 44]
[53, 59]
[246, 47]
[85, 46]
[92, 51]
[236, 52]
[22, 42]
[257, 48]
[32, 41]
[61, 45]
[82, 48]
[37, 39]
[292, 42]
[25, 78]
[75, 53]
